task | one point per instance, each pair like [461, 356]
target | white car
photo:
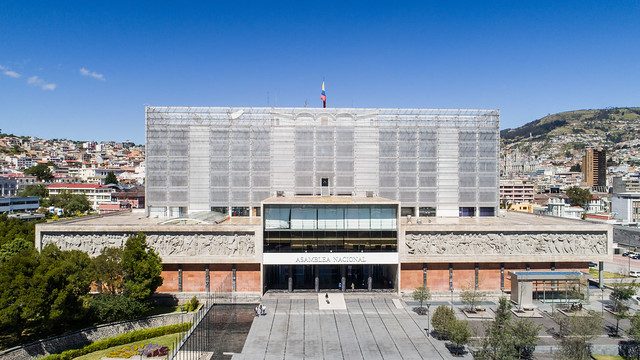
[634, 273]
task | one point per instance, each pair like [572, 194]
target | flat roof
[506, 221]
[546, 275]
[329, 200]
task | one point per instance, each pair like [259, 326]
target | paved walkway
[369, 328]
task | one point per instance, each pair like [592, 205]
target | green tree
[107, 308]
[141, 267]
[14, 247]
[506, 338]
[634, 330]
[421, 294]
[576, 168]
[619, 296]
[40, 171]
[35, 190]
[441, 320]
[459, 335]
[471, 297]
[524, 333]
[11, 229]
[578, 196]
[58, 284]
[111, 178]
[15, 291]
[72, 204]
[108, 270]
[577, 333]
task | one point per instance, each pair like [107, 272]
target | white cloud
[92, 74]
[36, 81]
[8, 72]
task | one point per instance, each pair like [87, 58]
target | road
[620, 264]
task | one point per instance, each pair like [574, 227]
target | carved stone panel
[506, 243]
[178, 244]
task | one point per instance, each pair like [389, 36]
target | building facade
[516, 191]
[95, 193]
[594, 167]
[248, 200]
[443, 162]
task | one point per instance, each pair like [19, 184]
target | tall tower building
[594, 167]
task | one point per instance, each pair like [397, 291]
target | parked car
[626, 253]
[592, 264]
[634, 273]
[635, 256]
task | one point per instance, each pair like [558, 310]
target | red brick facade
[411, 274]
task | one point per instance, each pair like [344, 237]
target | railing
[198, 341]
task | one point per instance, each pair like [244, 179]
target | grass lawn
[166, 340]
[607, 357]
[607, 275]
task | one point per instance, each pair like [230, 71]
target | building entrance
[330, 277]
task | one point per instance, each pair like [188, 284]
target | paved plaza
[369, 328]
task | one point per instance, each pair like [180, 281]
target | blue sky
[85, 69]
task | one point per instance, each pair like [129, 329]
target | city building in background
[594, 168]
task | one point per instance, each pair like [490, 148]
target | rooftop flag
[323, 96]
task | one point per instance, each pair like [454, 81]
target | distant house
[95, 193]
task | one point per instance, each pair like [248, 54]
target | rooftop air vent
[279, 193]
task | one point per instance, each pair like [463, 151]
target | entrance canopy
[545, 286]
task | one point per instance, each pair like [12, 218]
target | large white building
[440, 162]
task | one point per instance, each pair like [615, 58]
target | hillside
[563, 136]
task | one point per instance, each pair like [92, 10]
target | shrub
[459, 335]
[122, 339]
[442, 319]
[191, 305]
[109, 308]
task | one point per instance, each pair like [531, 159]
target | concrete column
[501, 276]
[601, 274]
[207, 279]
[527, 267]
[290, 279]
[233, 278]
[553, 266]
[477, 273]
[316, 271]
[424, 275]
[370, 279]
[450, 277]
[179, 278]
[343, 278]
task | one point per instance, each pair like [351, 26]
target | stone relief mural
[195, 244]
[506, 243]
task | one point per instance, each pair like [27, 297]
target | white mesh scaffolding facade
[201, 157]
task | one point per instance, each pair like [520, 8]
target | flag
[323, 96]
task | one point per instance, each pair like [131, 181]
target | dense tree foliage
[111, 178]
[578, 196]
[45, 293]
[107, 308]
[142, 267]
[35, 190]
[108, 270]
[441, 321]
[40, 171]
[73, 204]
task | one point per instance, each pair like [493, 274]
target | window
[487, 211]
[404, 211]
[256, 211]
[427, 211]
[240, 211]
[220, 209]
[467, 211]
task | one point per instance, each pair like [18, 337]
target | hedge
[122, 339]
